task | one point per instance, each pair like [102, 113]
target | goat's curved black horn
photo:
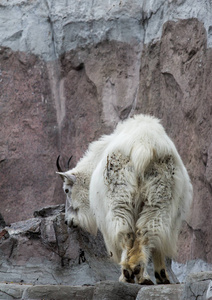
[58, 164]
[69, 161]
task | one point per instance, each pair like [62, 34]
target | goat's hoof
[166, 281]
[162, 277]
[147, 282]
[128, 278]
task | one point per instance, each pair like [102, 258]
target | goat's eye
[66, 191]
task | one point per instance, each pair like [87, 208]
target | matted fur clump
[133, 186]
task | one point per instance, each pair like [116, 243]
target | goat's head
[76, 188]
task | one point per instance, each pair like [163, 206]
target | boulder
[198, 286]
[106, 290]
[166, 292]
[43, 250]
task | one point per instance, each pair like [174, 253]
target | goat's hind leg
[159, 267]
[134, 261]
[138, 259]
[126, 243]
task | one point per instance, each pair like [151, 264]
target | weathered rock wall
[197, 287]
[175, 86]
[43, 250]
[41, 258]
[69, 71]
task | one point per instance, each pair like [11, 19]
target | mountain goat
[133, 187]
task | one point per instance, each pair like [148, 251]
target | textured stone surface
[11, 291]
[198, 286]
[70, 72]
[115, 291]
[181, 270]
[41, 258]
[106, 290]
[43, 250]
[50, 211]
[165, 292]
[175, 86]
[49, 28]
[59, 292]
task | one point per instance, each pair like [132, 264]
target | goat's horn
[69, 161]
[58, 165]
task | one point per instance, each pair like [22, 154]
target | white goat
[133, 187]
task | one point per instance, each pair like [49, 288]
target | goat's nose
[66, 222]
[72, 225]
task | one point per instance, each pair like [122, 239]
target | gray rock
[107, 290]
[46, 251]
[49, 28]
[11, 291]
[49, 211]
[165, 292]
[193, 266]
[53, 292]
[48, 234]
[198, 286]
[59, 292]
[115, 291]
[30, 226]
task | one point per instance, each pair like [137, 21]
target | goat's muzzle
[71, 224]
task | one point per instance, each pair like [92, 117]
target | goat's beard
[84, 219]
[87, 222]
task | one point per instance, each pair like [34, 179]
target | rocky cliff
[41, 258]
[70, 70]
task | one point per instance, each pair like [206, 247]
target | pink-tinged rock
[29, 143]
[175, 85]
[208, 172]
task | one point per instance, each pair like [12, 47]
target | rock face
[69, 71]
[198, 286]
[168, 292]
[41, 258]
[109, 290]
[43, 250]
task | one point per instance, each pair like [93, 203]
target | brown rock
[175, 86]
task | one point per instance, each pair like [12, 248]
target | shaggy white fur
[131, 185]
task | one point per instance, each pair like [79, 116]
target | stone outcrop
[43, 250]
[41, 258]
[198, 286]
[168, 292]
[109, 290]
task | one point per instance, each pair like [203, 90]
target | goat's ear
[70, 177]
[62, 175]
